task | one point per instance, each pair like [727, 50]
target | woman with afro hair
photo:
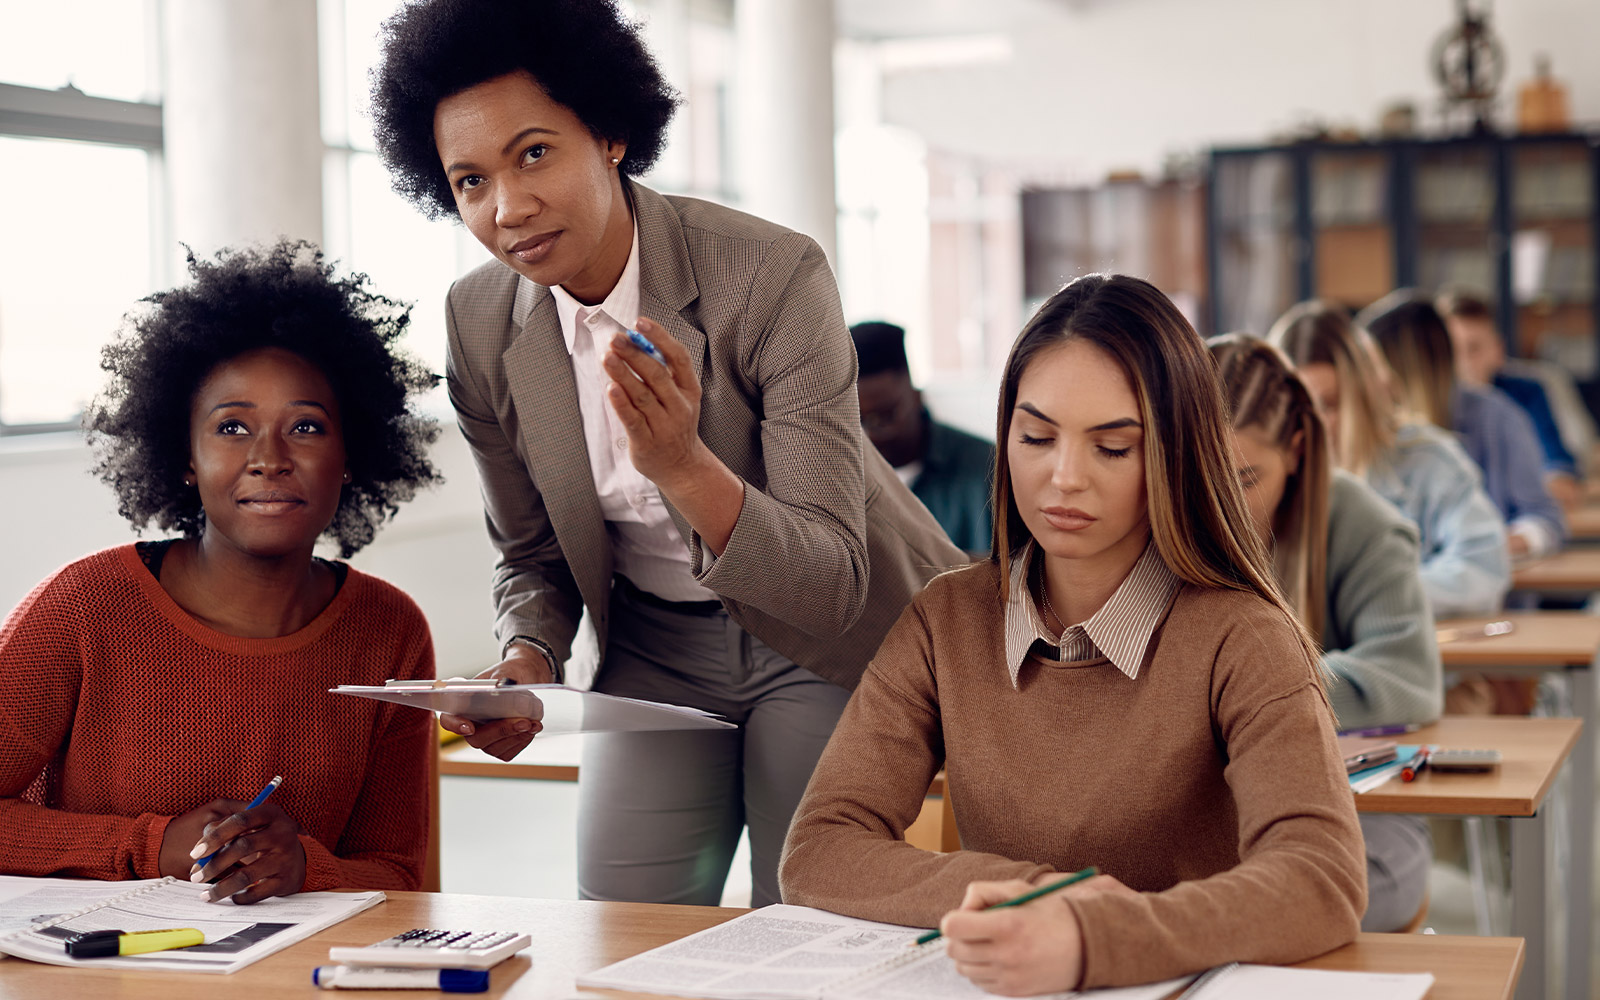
[149, 689]
[702, 492]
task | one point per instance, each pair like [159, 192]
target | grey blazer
[829, 547]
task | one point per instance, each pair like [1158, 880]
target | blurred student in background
[1481, 361]
[1420, 469]
[946, 468]
[1495, 432]
[147, 690]
[1348, 562]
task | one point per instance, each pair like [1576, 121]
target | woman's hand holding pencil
[1009, 948]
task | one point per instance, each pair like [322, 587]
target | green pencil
[1026, 897]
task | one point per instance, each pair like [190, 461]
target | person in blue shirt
[1495, 432]
[947, 469]
[1481, 361]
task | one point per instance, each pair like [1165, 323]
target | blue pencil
[261, 797]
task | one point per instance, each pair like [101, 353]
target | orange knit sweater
[119, 711]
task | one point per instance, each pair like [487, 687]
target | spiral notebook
[787, 952]
[37, 915]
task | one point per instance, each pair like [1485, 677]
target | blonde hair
[1318, 332]
[1198, 518]
[1416, 343]
[1263, 392]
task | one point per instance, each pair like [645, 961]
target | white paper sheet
[561, 709]
[797, 953]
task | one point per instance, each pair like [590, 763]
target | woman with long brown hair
[1121, 684]
[1348, 562]
[1417, 467]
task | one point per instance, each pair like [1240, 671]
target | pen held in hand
[640, 341]
[261, 797]
[1026, 897]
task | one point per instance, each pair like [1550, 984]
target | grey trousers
[659, 814]
[1399, 854]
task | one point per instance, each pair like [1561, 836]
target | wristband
[556, 673]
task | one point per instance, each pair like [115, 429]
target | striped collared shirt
[1120, 631]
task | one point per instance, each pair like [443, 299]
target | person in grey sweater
[1348, 560]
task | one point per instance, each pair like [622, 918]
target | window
[80, 148]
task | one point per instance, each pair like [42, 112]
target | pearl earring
[615, 161]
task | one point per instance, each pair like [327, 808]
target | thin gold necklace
[1044, 595]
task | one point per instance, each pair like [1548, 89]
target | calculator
[1463, 760]
[423, 948]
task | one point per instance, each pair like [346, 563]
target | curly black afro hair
[583, 52]
[285, 296]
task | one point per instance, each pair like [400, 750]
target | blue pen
[644, 345]
[261, 797]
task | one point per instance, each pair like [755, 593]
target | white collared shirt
[645, 544]
[1120, 631]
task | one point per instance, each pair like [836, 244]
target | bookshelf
[1512, 216]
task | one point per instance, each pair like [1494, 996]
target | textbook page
[235, 935]
[787, 952]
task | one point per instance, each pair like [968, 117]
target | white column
[241, 121]
[784, 114]
[666, 24]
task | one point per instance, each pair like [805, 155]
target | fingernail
[522, 725]
[198, 851]
[196, 876]
[466, 729]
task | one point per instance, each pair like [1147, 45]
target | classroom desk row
[572, 937]
[1534, 751]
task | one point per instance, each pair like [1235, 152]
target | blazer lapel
[540, 373]
[667, 286]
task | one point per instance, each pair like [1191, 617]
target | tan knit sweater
[1210, 784]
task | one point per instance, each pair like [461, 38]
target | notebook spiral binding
[1195, 989]
[62, 918]
[916, 953]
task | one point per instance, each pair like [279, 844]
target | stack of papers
[1369, 778]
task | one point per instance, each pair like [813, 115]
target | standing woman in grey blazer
[708, 501]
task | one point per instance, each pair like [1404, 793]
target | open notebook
[797, 953]
[37, 915]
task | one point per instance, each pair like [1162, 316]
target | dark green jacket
[954, 485]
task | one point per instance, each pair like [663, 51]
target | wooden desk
[1574, 569]
[1541, 641]
[1583, 524]
[572, 937]
[1534, 751]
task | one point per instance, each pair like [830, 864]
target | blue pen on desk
[642, 343]
[261, 797]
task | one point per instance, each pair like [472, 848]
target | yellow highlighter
[105, 944]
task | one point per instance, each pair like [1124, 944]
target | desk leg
[1581, 805]
[1528, 902]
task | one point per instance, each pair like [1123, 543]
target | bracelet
[556, 673]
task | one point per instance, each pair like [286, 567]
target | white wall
[1097, 85]
[436, 548]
